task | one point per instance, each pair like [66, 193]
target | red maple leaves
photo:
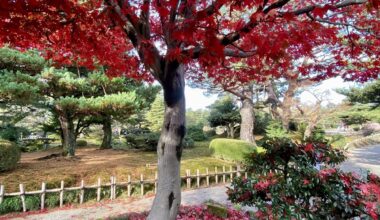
[321, 42]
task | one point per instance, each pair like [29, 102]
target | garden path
[361, 159]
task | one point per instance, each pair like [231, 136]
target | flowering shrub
[194, 213]
[286, 182]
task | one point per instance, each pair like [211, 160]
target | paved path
[102, 211]
[361, 159]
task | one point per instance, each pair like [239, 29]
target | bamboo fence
[112, 185]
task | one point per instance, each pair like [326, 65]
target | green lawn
[93, 164]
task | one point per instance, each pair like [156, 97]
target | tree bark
[168, 198]
[232, 130]
[107, 133]
[247, 121]
[68, 134]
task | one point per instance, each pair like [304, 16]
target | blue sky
[195, 99]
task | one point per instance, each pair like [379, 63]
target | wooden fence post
[198, 179]
[216, 175]
[231, 174]
[2, 192]
[207, 178]
[142, 184]
[111, 188]
[224, 174]
[22, 196]
[188, 179]
[61, 193]
[99, 190]
[155, 182]
[81, 199]
[114, 187]
[129, 186]
[43, 193]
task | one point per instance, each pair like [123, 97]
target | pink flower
[306, 182]
[370, 189]
[371, 208]
[326, 173]
[262, 185]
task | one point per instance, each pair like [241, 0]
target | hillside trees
[166, 37]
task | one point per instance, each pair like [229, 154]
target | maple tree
[162, 39]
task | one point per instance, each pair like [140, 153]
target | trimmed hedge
[9, 155]
[81, 143]
[231, 149]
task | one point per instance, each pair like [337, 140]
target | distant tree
[197, 117]
[369, 93]
[155, 116]
[224, 112]
[68, 96]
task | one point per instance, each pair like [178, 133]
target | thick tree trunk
[169, 149]
[107, 133]
[247, 121]
[68, 134]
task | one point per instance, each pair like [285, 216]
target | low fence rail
[218, 177]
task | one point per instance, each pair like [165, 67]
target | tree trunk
[288, 102]
[168, 198]
[247, 121]
[232, 130]
[68, 134]
[107, 133]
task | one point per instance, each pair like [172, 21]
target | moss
[217, 210]
[231, 149]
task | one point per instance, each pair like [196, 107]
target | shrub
[32, 202]
[231, 149]
[188, 142]
[262, 120]
[195, 132]
[12, 204]
[149, 141]
[285, 183]
[275, 130]
[81, 143]
[31, 146]
[144, 141]
[12, 133]
[9, 155]
[192, 212]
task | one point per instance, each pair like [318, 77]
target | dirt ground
[92, 163]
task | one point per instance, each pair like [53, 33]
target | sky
[195, 98]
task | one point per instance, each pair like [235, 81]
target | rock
[217, 210]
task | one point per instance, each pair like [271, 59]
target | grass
[92, 164]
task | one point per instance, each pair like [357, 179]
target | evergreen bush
[9, 155]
